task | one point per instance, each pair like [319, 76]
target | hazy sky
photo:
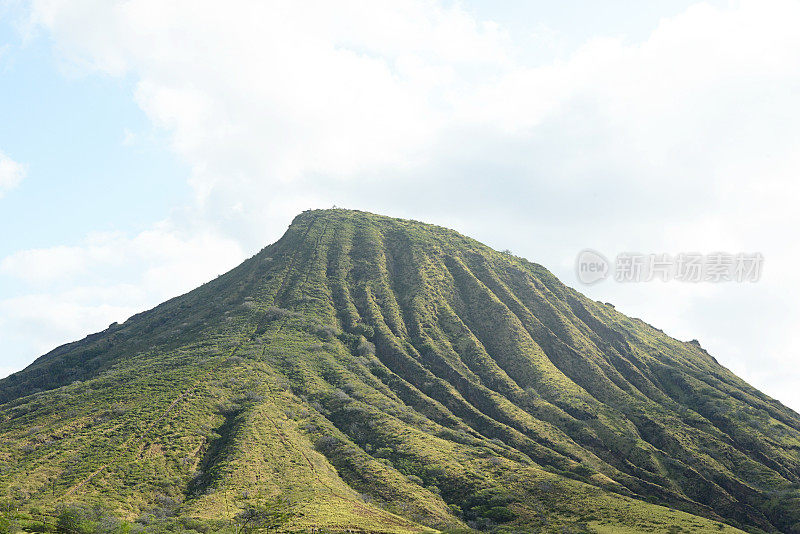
[147, 146]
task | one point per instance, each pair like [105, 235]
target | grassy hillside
[383, 375]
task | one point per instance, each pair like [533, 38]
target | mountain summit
[385, 375]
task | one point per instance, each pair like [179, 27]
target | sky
[148, 146]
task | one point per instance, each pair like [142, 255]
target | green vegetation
[371, 374]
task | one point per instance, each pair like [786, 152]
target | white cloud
[65, 293]
[45, 264]
[684, 141]
[40, 322]
[11, 173]
[160, 249]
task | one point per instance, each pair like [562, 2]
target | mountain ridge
[413, 373]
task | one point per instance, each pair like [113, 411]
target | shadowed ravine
[390, 375]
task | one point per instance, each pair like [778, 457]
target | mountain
[385, 375]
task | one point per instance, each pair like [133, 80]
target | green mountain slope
[392, 376]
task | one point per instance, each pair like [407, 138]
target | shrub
[500, 514]
[379, 372]
[191, 523]
[365, 348]
[274, 312]
[252, 396]
[382, 452]
[327, 444]
[69, 521]
[325, 332]
[489, 505]
[361, 329]
[270, 515]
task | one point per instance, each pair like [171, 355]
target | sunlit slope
[393, 376]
